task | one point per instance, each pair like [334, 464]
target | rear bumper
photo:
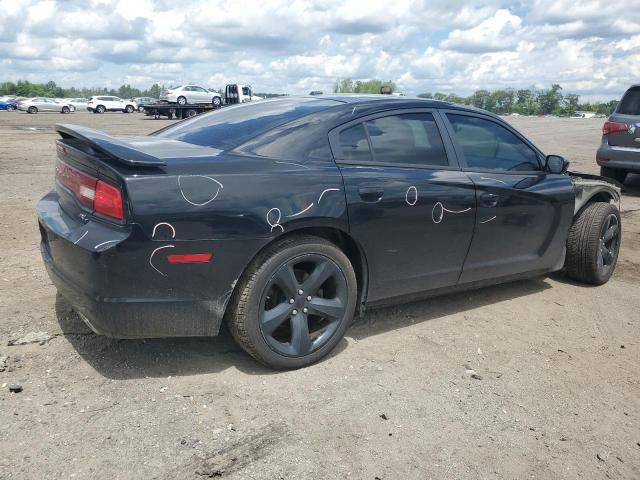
[104, 274]
[623, 158]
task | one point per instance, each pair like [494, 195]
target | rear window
[232, 126]
[630, 103]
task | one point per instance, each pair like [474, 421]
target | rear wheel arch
[337, 237]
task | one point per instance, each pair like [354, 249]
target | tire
[216, 101]
[32, 110]
[614, 173]
[65, 110]
[129, 109]
[11, 108]
[290, 344]
[594, 243]
[140, 109]
[182, 101]
[189, 113]
[100, 109]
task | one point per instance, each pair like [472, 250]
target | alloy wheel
[303, 304]
[608, 245]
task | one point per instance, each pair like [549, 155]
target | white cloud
[294, 46]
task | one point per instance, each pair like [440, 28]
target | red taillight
[190, 258]
[108, 201]
[613, 127]
[95, 194]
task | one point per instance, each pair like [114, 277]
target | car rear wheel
[593, 243]
[614, 173]
[182, 101]
[100, 109]
[65, 110]
[189, 113]
[32, 110]
[216, 101]
[129, 109]
[294, 303]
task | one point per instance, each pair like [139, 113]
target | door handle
[371, 194]
[489, 200]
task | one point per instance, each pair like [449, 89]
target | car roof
[377, 102]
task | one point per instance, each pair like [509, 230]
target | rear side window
[411, 138]
[354, 145]
[630, 103]
[489, 146]
[231, 126]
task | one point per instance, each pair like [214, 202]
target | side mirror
[556, 164]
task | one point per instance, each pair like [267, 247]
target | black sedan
[285, 218]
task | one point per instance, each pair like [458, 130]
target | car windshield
[231, 126]
[630, 103]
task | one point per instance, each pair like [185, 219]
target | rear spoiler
[108, 145]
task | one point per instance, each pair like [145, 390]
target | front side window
[411, 138]
[489, 146]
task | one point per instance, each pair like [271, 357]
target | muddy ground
[559, 394]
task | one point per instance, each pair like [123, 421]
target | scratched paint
[215, 189]
[438, 211]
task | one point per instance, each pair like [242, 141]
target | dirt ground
[559, 394]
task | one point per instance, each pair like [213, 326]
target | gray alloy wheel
[182, 101]
[594, 243]
[294, 303]
[140, 108]
[129, 109]
[32, 110]
[65, 110]
[100, 109]
[216, 101]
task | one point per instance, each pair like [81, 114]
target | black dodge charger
[284, 218]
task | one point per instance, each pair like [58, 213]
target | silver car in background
[185, 94]
[44, 104]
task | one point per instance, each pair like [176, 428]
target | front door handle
[489, 200]
[371, 194]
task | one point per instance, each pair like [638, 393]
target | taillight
[613, 127]
[97, 195]
[108, 201]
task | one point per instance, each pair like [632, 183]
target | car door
[410, 207]
[203, 95]
[524, 212]
[49, 105]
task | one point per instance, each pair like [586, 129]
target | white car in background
[79, 103]
[184, 94]
[107, 103]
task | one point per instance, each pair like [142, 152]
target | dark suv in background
[619, 152]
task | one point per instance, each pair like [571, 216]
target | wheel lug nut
[291, 300]
[300, 292]
[294, 312]
[305, 310]
[309, 298]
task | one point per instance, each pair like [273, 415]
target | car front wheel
[216, 101]
[294, 303]
[614, 173]
[65, 110]
[32, 110]
[593, 243]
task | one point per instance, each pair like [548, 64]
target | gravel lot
[559, 394]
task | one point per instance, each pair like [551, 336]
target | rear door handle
[489, 199]
[371, 194]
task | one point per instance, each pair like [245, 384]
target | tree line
[524, 101]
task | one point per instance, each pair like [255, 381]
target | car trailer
[173, 110]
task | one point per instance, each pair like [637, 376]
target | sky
[294, 46]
